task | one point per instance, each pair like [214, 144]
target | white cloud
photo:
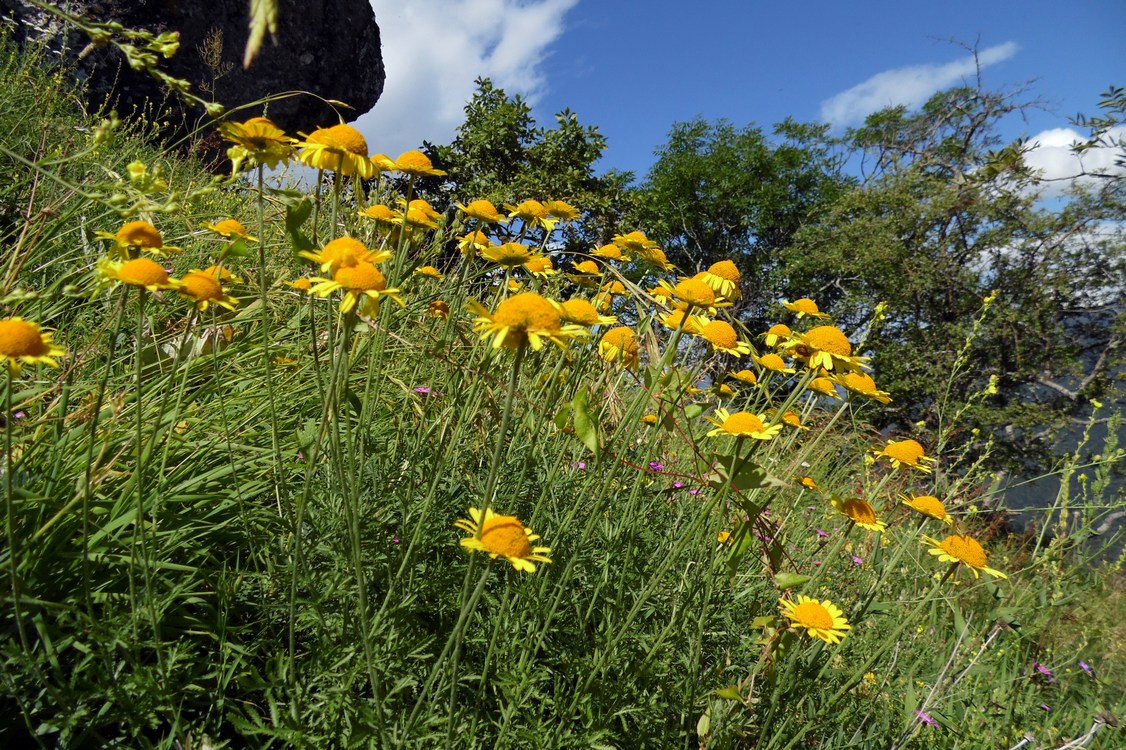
[434, 49]
[910, 86]
[1052, 155]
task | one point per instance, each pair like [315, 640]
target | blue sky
[635, 68]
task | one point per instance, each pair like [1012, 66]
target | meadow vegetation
[347, 467]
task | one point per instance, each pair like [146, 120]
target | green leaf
[741, 474]
[586, 424]
[295, 215]
[788, 580]
[693, 410]
[731, 693]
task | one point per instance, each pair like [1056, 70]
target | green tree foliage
[502, 155]
[945, 215]
[720, 192]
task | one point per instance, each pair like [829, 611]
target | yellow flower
[24, 342]
[361, 282]
[692, 324]
[302, 284]
[820, 619]
[382, 214]
[694, 292]
[963, 550]
[510, 254]
[745, 376]
[793, 419]
[862, 384]
[808, 483]
[416, 164]
[777, 334]
[259, 141]
[344, 251]
[222, 273]
[531, 212]
[723, 277]
[722, 336]
[649, 419]
[438, 309]
[139, 272]
[582, 313]
[655, 257]
[562, 210]
[418, 213]
[583, 272]
[723, 537]
[634, 243]
[502, 536]
[773, 363]
[204, 289]
[383, 163]
[610, 252]
[804, 307]
[141, 235]
[825, 347]
[473, 242]
[232, 229]
[723, 390]
[523, 319]
[906, 453]
[540, 266]
[620, 345]
[825, 387]
[860, 512]
[929, 506]
[742, 424]
[340, 149]
[482, 211]
[430, 271]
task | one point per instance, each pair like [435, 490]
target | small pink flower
[822, 533]
[579, 465]
[656, 466]
[677, 485]
[856, 560]
[925, 718]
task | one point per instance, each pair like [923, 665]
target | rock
[327, 47]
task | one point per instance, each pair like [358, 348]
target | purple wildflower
[422, 389]
[677, 485]
[19, 414]
[822, 533]
[856, 560]
[1086, 667]
[926, 718]
[395, 539]
[693, 491]
[656, 466]
[1044, 671]
[579, 465]
[1045, 706]
[816, 562]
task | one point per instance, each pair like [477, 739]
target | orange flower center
[538, 265]
[580, 311]
[828, 339]
[965, 549]
[530, 210]
[806, 305]
[905, 451]
[142, 272]
[587, 266]
[341, 138]
[742, 423]
[791, 418]
[779, 330]
[360, 277]
[621, 337]
[505, 535]
[482, 210]
[229, 227]
[140, 234]
[859, 382]
[772, 362]
[344, 251]
[812, 615]
[379, 212]
[824, 386]
[720, 334]
[725, 269]
[18, 338]
[609, 251]
[694, 292]
[527, 312]
[746, 376]
[200, 286]
[929, 506]
[859, 510]
[413, 161]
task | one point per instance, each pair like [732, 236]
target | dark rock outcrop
[328, 47]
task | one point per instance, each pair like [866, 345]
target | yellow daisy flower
[610, 252]
[906, 453]
[257, 141]
[862, 384]
[742, 424]
[825, 347]
[416, 164]
[383, 163]
[562, 210]
[584, 273]
[482, 211]
[382, 214]
[962, 550]
[25, 343]
[860, 512]
[634, 243]
[778, 334]
[510, 254]
[692, 324]
[694, 293]
[723, 338]
[232, 229]
[792, 419]
[140, 235]
[620, 345]
[929, 506]
[204, 289]
[438, 309]
[745, 376]
[821, 619]
[418, 213]
[344, 251]
[525, 318]
[655, 257]
[361, 282]
[540, 267]
[773, 363]
[430, 271]
[804, 307]
[139, 272]
[723, 277]
[340, 149]
[532, 213]
[502, 536]
[222, 273]
[582, 313]
[808, 483]
[824, 387]
[472, 243]
[649, 419]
